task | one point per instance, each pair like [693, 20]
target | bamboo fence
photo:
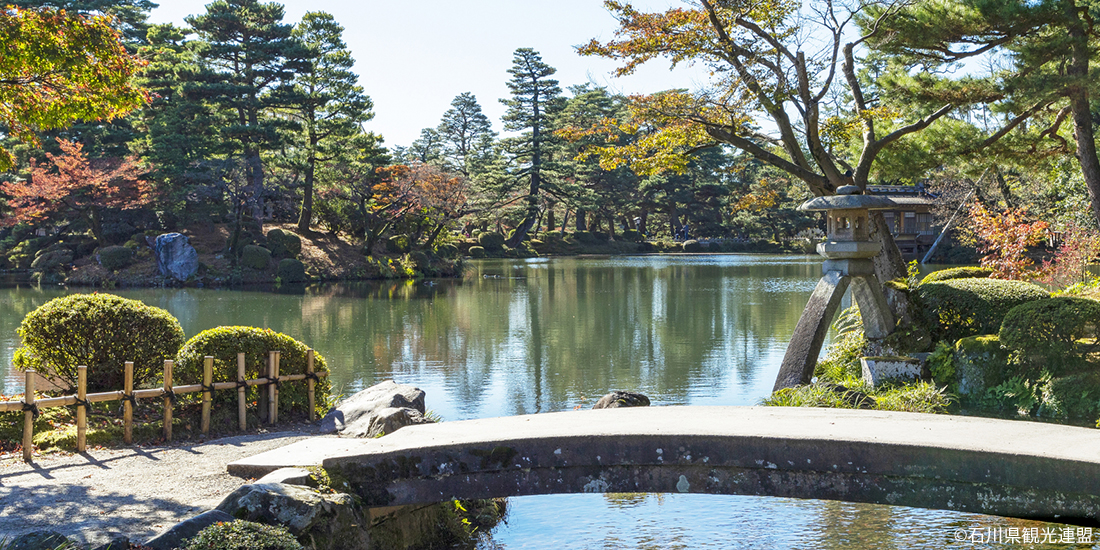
[129, 396]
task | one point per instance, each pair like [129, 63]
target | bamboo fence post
[241, 392]
[207, 391]
[128, 404]
[28, 418]
[271, 404]
[310, 383]
[168, 399]
[278, 360]
[81, 408]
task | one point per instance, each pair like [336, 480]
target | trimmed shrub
[255, 257]
[52, 260]
[1057, 333]
[476, 252]
[291, 271]
[584, 237]
[284, 244]
[632, 235]
[243, 535]
[224, 343]
[115, 257]
[957, 273]
[491, 241]
[693, 246]
[101, 331]
[397, 244]
[958, 308]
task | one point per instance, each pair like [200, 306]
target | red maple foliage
[1004, 239]
[70, 185]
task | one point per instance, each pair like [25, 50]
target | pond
[540, 335]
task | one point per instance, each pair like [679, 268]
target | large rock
[331, 521]
[176, 257]
[618, 399]
[379, 409]
[176, 535]
[37, 540]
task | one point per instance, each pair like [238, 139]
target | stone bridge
[1000, 467]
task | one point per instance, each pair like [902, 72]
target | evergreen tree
[465, 130]
[327, 101]
[248, 52]
[535, 99]
[427, 149]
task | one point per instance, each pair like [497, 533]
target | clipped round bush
[100, 331]
[692, 245]
[224, 343]
[115, 257]
[491, 240]
[255, 257]
[291, 271]
[584, 237]
[284, 244]
[243, 535]
[632, 235]
[957, 273]
[52, 260]
[476, 252]
[958, 308]
[1057, 333]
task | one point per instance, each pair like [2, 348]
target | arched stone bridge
[1000, 467]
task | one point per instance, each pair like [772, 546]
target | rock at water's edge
[332, 521]
[365, 413]
[176, 257]
[618, 399]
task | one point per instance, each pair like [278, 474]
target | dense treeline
[252, 119]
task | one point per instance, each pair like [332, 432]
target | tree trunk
[306, 216]
[1002, 185]
[581, 215]
[610, 226]
[95, 225]
[1078, 94]
[434, 235]
[550, 220]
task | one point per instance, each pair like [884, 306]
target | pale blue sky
[414, 56]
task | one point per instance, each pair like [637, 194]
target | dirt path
[135, 491]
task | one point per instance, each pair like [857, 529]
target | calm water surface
[530, 336]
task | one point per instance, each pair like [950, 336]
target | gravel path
[134, 491]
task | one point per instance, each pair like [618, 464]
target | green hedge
[693, 246]
[958, 308]
[284, 244]
[476, 252]
[255, 257]
[291, 271]
[100, 331]
[1056, 334]
[115, 257]
[224, 343]
[491, 241]
[957, 273]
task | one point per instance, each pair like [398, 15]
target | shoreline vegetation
[74, 260]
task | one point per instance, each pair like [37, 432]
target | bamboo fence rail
[128, 395]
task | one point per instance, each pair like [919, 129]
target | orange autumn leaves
[71, 184]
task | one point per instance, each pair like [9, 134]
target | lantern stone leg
[809, 334]
[848, 251]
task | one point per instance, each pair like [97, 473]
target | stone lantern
[848, 251]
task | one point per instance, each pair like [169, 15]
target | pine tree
[249, 51]
[327, 101]
[535, 98]
[465, 130]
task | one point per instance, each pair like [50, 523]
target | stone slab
[303, 454]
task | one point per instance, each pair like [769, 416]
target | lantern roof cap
[848, 197]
